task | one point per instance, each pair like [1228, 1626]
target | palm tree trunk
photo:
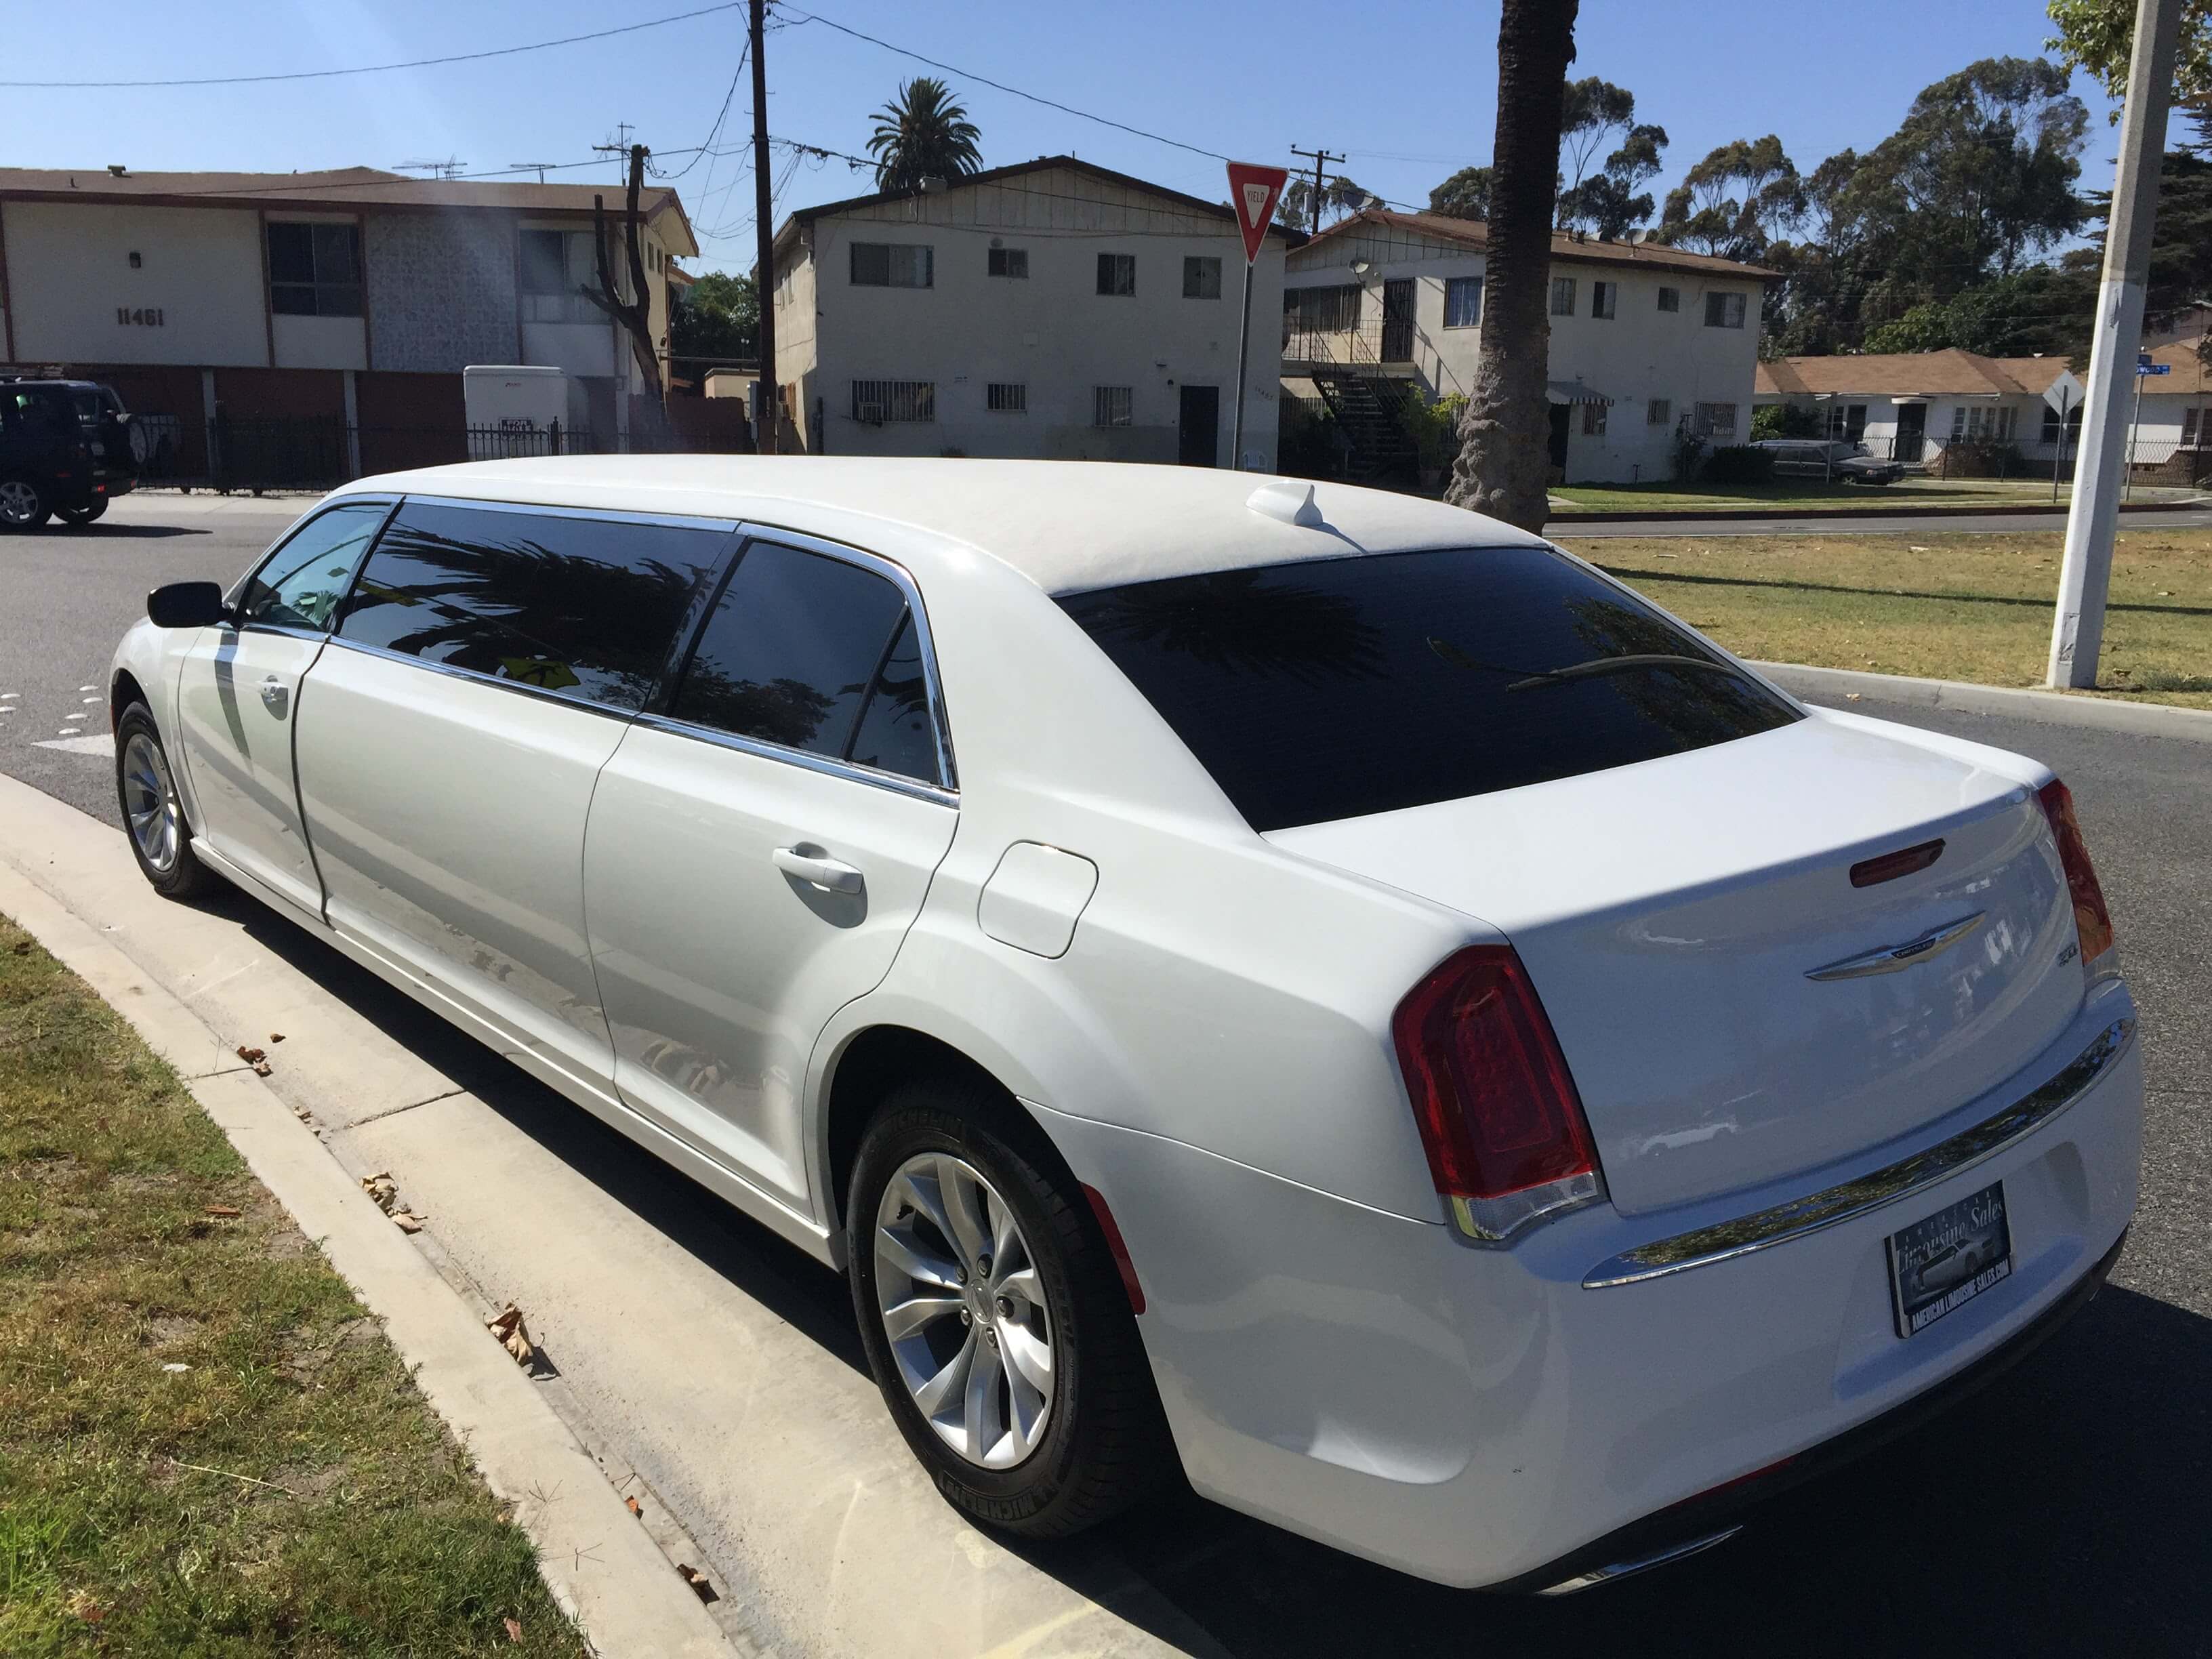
[1503, 465]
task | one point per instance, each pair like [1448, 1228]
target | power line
[376, 68]
[714, 131]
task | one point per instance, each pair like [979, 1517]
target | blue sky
[1406, 88]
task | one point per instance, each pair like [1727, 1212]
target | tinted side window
[302, 582]
[1340, 687]
[896, 733]
[587, 607]
[790, 650]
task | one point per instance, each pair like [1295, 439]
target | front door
[1912, 430]
[1557, 446]
[1199, 425]
[1398, 319]
[238, 693]
[755, 856]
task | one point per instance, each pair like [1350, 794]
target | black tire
[78, 517]
[1105, 1442]
[184, 876]
[24, 504]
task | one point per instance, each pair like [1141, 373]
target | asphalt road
[2063, 1510]
[1574, 529]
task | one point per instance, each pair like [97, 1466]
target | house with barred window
[1051, 309]
[1914, 406]
[1652, 348]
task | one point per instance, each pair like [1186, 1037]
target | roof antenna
[1282, 499]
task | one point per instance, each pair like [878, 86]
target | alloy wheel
[149, 800]
[19, 502]
[958, 1289]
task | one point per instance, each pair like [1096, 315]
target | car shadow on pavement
[2061, 1510]
[122, 532]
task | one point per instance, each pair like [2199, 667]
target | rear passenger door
[758, 848]
[485, 667]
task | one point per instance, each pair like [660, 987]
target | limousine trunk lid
[1720, 986]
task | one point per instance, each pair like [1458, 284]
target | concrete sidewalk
[711, 1370]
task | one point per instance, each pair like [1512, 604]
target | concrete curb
[1566, 521]
[2147, 719]
[600, 1563]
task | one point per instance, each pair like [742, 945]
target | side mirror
[187, 605]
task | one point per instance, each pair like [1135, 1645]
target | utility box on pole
[2092, 520]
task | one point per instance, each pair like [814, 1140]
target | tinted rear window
[585, 607]
[1340, 687]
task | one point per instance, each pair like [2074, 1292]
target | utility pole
[2078, 634]
[1319, 158]
[768, 398]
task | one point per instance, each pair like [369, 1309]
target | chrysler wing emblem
[1893, 958]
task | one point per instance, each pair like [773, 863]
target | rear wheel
[995, 1319]
[80, 516]
[161, 839]
[23, 505]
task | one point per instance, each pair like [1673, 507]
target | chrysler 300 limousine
[1302, 990]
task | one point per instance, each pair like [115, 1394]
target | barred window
[875, 401]
[1117, 273]
[1201, 276]
[1332, 310]
[1110, 405]
[893, 264]
[1717, 420]
[1010, 262]
[1670, 298]
[1593, 420]
[1724, 311]
[1658, 412]
[1562, 296]
[1006, 397]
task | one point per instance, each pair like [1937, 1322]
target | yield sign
[1253, 192]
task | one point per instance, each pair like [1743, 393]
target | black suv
[65, 448]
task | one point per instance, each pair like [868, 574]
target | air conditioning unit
[871, 415]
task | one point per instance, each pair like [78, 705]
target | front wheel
[161, 839]
[996, 1320]
[23, 505]
[78, 517]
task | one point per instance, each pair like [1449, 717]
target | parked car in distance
[1298, 987]
[65, 450]
[1841, 459]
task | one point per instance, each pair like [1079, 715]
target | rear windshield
[1336, 688]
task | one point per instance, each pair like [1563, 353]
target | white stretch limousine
[1305, 988]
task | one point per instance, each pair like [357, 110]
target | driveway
[2061, 1512]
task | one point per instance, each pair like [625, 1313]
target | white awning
[1574, 392]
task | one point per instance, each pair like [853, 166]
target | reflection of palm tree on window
[1250, 621]
[1697, 707]
[785, 711]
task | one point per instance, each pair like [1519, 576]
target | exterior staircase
[1367, 397]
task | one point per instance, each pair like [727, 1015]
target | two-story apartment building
[1050, 309]
[1649, 343]
[353, 296]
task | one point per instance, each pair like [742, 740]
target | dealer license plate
[1946, 1260]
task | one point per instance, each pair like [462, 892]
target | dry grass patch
[206, 1445]
[1958, 607]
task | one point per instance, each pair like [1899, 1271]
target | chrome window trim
[389, 503]
[947, 782]
[1850, 1199]
[608, 711]
[829, 765]
[723, 523]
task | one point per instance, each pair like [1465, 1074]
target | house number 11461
[142, 316]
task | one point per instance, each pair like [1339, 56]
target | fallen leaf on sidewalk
[631, 1504]
[225, 1211]
[514, 1631]
[379, 1188]
[276, 1036]
[251, 1055]
[261, 1068]
[513, 1335]
[697, 1580]
[408, 1221]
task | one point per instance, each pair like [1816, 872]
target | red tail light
[2091, 919]
[1498, 1114]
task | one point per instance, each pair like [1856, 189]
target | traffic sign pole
[1253, 192]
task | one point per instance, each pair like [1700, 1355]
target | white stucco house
[1649, 343]
[1050, 309]
[1913, 405]
[352, 297]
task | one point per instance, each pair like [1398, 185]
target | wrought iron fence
[318, 453]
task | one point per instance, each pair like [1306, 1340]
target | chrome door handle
[273, 693]
[824, 872]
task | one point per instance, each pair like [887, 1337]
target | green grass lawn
[1926, 494]
[207, 1447]
[1959, 607]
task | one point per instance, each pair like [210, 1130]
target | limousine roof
[1066, 525]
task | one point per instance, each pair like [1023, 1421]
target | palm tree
[1504, 465]
[922, 134]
